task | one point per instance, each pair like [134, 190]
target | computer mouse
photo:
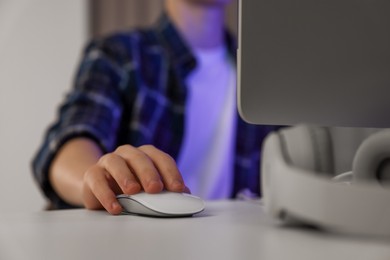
[163, 204]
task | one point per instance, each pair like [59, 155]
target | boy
[149, 108]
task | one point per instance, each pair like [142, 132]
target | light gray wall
[40, 44]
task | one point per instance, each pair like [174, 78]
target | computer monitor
[321, 62]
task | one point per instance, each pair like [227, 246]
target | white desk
[226, 230]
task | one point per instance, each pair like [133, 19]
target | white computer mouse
[163, 204]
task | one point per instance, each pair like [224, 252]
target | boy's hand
[129, 170]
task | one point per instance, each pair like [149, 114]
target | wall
[40, 44]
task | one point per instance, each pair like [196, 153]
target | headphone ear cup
[372, 159]
[308, 147]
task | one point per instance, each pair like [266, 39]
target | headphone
[299, 184]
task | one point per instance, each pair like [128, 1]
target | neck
[202, 26]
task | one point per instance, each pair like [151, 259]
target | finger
[117, 167]
[142, 167]
[166, 167]
[97, 192]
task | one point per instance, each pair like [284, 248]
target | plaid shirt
[130, 89]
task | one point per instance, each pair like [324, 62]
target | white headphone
[298, 182]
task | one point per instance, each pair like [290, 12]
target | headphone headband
[292, 193]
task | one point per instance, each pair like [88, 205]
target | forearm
[67, 170]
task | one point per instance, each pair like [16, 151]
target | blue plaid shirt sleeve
[92, 109]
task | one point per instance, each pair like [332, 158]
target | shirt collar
[179, 52]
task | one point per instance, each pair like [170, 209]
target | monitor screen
[322, 62]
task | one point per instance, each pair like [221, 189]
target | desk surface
[225, 230]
